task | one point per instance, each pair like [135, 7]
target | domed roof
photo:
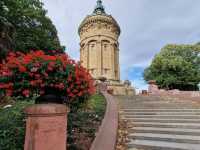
[99, 9]
[99, 14]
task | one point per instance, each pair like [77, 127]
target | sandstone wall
[154, 90]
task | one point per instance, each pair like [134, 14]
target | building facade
[99, 46]
[99, 51]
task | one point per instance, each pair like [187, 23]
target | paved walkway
[161, 124]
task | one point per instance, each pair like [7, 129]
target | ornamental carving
[99, 22]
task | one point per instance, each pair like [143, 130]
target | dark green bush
[84, 121]
[12, 127]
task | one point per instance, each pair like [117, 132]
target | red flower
[58, 72]
[12, 54]
[34, 69]
[37, 76]
[46, 75]
[1, 86]
[26, 93]
[49, 68]
[68, 90]
[42, 92]
[75, 91]
[39, 81]
[80, 94]
[31, 74]
[69, 78]
[33, 83]
[6, 85]
[61, 86]
[22, 69]
[9, 92]
[42, 85]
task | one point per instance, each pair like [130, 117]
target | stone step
[138, 147]
[166, 137]
[173, 120]
[161, 145]
[161, 113]
[161, 107]
[161, 123]
[160, 110]
[163, 116]
[167, 125]
[162, 102]
[180, 131]
[155, 102]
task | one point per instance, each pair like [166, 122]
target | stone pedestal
[46, 127]
[121, 89]
[153, 88]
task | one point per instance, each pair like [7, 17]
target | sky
[147, 26]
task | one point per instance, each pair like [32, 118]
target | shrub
[12, 126]
[82, 124]
[36, 73]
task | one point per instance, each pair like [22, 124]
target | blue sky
[147, 26]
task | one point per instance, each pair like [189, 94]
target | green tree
[33, 29]
[6, 37]
[176, 67]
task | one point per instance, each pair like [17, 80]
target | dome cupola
[98, 17]
[99, 9]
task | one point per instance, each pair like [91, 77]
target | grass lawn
[82, 124]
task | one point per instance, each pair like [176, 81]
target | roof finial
[99, 9]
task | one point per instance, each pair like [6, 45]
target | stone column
[81, 53]
[88, 56]
[100, 59]
[46, 127]
[117, 63]
[113, 61]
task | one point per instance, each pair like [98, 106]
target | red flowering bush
[33, 73]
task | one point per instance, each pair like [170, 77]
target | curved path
[161, 124]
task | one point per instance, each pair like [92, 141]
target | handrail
[107, 135]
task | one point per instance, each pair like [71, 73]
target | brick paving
[161, 123]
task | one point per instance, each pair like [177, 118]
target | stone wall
[116, 88]
[154, 90]
[121, 89]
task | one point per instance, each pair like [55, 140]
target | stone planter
[46, 127]
[50, 99]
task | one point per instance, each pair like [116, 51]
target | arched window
[105, 44]
[92, 44]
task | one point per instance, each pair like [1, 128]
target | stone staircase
[161, 124]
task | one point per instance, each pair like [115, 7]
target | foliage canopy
[32, 29]
[176, 67]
